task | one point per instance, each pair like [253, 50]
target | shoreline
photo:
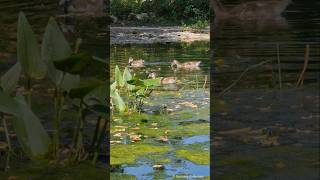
[149, 35]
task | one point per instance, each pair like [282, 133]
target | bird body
[164, 80]
[185, 65]
[136, 63]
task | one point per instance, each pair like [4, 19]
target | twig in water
[205, 81]
[279, 67]
[305, 65]
[242, 74]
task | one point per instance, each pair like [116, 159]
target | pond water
[92, 31]
[262, 120]
[184, 123]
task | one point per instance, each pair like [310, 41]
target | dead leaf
[163, 138]
[115, 142]
[280, 165]
[219, 62]
[158, 167]
[13, 178]
[188, 104]
[3, 146]
[135, 138]
[265, 109]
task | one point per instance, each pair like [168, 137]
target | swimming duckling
[164, 80]
[190, 65]
[136, 63]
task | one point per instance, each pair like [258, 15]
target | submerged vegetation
[71, 91]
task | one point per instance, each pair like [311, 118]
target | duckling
[136, 63]
[190, 65]
[164, 80]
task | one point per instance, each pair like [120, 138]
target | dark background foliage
[163, 11]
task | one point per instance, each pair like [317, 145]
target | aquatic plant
[128, 93]
[56, 60]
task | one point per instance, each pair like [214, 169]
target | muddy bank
[149, 35]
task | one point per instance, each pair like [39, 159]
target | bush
[176, 11]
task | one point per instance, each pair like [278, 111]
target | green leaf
[113, 86]
[85, 86]
[69, 81]
[55, 47]
[8, 104]
[118, 77]
[136, 82]
[100, 110]
[74, 64]
[127, 77]
[10, 79]
[28, 50]
[118, 101]
[31, 134]
[97, 96]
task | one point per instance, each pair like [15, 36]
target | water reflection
[260, 15]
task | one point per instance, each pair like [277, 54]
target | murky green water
[184, 121]
[264, 127]
[92, 31]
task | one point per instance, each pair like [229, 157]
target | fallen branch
[305, 65]
[242, 74]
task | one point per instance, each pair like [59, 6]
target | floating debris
[158, 167]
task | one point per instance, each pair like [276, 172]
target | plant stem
[7, 139]
[78, 136]
[101, 137]
[29, 91]
[58, 105]
[279, 66]
[96, 132]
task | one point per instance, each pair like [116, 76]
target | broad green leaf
[31, 134]
[136, 82]
[85, 87]
[99, 59]
[118, 101]
[100, 110]
[74, 64]
[28, 50]
[70, 81]
[10, 79]
[113, 86]
[96, 96]
[118, 77]
[55, 47]
[8, 104]
[127, 77]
